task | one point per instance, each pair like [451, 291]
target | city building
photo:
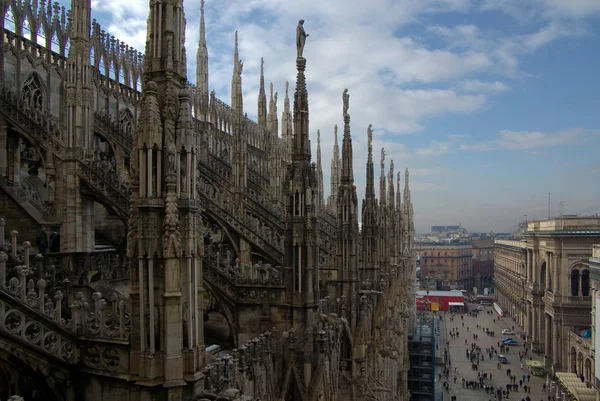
[510, 281]
[555, 275]
[200, 211]
[448, 264]
[483, 263]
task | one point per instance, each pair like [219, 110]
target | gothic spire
[347, 248]
[319, 169]
[335, 171]
[369, 219]
[370, 190]
[347, 176]
[272, 121]
[286, 125]
[202, 62]
[237, 102]
[301, 149]
[382, 191]
[391, 202]
[262, 98]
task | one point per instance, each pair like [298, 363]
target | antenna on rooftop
[561, 204]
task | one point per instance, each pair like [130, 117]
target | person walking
[42, 240]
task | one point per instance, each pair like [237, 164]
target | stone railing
[262, 274]
[29, 313]
[20, 284]
[27, 198]
[82, 268]
[103, 179]
[107, 124]
[220, 203]
[240, 370]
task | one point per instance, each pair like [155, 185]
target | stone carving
[370, 136]
[301, 36]
[346, 101]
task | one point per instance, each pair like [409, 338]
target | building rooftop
[511, 243]
[456, 293]
[574, 225]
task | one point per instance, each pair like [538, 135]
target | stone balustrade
[99, 320]
[242, 366]
[242, 273]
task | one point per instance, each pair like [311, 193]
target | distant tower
[262, 98]
[301, 240]
[165, 241]
[347, 213]
[335, 172]
[370, 211]
[319, 171]
[286, 126]
[202, 71]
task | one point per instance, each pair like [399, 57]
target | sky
[491, 104]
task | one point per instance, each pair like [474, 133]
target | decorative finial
[370, 135]
[300, 38]
[319, 136]
[382, 158]
[287, 88]
[335, 130]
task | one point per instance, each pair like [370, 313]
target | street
[461, 366]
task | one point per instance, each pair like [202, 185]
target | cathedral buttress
[165, 244]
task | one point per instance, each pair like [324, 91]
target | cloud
[477, 86]
[533, 141]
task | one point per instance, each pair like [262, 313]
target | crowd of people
[476, 354]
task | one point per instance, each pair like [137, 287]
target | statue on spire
[346, 100]
[382, 158]
[300, 38]
[370, 135]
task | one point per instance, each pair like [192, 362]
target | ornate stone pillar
[3, 147]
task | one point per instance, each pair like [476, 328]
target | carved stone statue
[370, 135]
[300, 38]
[346, 100]
[382, 158]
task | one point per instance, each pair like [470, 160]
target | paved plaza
[464, 366]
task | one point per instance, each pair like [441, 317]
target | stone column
[557, 268]
[548, 334]
[549, 267]
[556, 359]
[528, 322]
[535, 323]
[534, 268]
[529, 266]
[3, 147]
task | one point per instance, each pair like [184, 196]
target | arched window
[585, 282]
[575, 282]
[543, 276]
[33, 93]
[126, 123]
